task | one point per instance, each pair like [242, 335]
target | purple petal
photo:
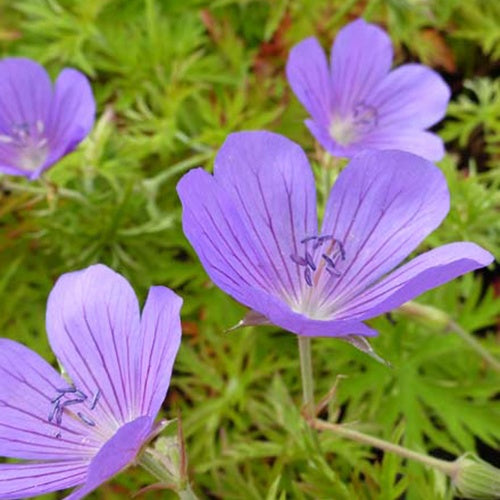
[382, 206]
[25, 97]
[248, 219]
[119, 452]
[27, 386]
[422, 143]
[423, 273]
[308, 75]
[34, 479]
[281, 315]
[361, 57]
[25, 93]
[92, 324]
[272, 187]
[411, 96]
[160, 338]
[71, 115]
[216, 231]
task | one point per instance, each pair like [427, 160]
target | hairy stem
[444, 466]
[307, 375]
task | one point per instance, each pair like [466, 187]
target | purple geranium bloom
[40, 123]
[359, 103]
[254, 226]
[82, 432]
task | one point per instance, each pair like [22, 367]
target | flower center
[324, 256]
[69, 396]
[347, 129]
[30, 141]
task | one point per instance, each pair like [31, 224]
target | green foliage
[172, 79]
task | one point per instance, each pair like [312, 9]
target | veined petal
[411, 96]
[216, 231]
[34, 479]
[361, 57]
[158, 345]
[115, 455]
[27, 386]
[92, 324]
[308, 75]
[281, 315]
[272, 187]
[25, 93]
[419, 142]
[72, 113]
[420, 274]
[382, 206]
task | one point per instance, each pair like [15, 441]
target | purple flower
[359, 103]
[40, 123]
[254, 227]
[83, 431]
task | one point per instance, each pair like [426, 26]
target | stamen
[67, 390]
[310, 261]
[57, 398]
[70, 402]
[298, 260]
[308, 276]
[58, 435]
[95, 399]
[81, 395]
[86, 419]
[309, 238]
[53, 411]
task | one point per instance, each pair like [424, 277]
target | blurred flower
[358, 103]
[84, 431]
[254, 226]
[40, 123]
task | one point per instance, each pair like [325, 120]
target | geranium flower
[358, 103]
[254, 227]
[40, 123]
[83, 431]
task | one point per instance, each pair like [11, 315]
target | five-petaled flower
[40, 123]
[255, 229]
[82, 432]
[359, 103]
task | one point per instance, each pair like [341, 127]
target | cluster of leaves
[172, 79]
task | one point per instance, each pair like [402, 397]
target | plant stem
[307, 375]
[474, 344]
[435, 318]
[444, 466]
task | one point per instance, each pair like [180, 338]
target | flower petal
[34, 479]
[159, 342]
[382, 206]
[27, 386]
[272, 187]
[115, 455]
[361, 57]
[419, 142]
[411, 96]
[92, 324]
[308, 75]
[281, 315]
[71, 115]
[25, 93]
[216, 231]
[248, 219]
[420, 274]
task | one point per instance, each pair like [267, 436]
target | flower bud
[476, 479]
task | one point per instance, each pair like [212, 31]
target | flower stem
[435, 318]
[444, 466]
[307, 375]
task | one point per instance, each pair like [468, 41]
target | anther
[53, 411]
[86, 419]
[56, 399]
[70, 402]
[67, 390]
[309, 238]
[308, 276]
[310, 261]
[298, 260]
[96, 397]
